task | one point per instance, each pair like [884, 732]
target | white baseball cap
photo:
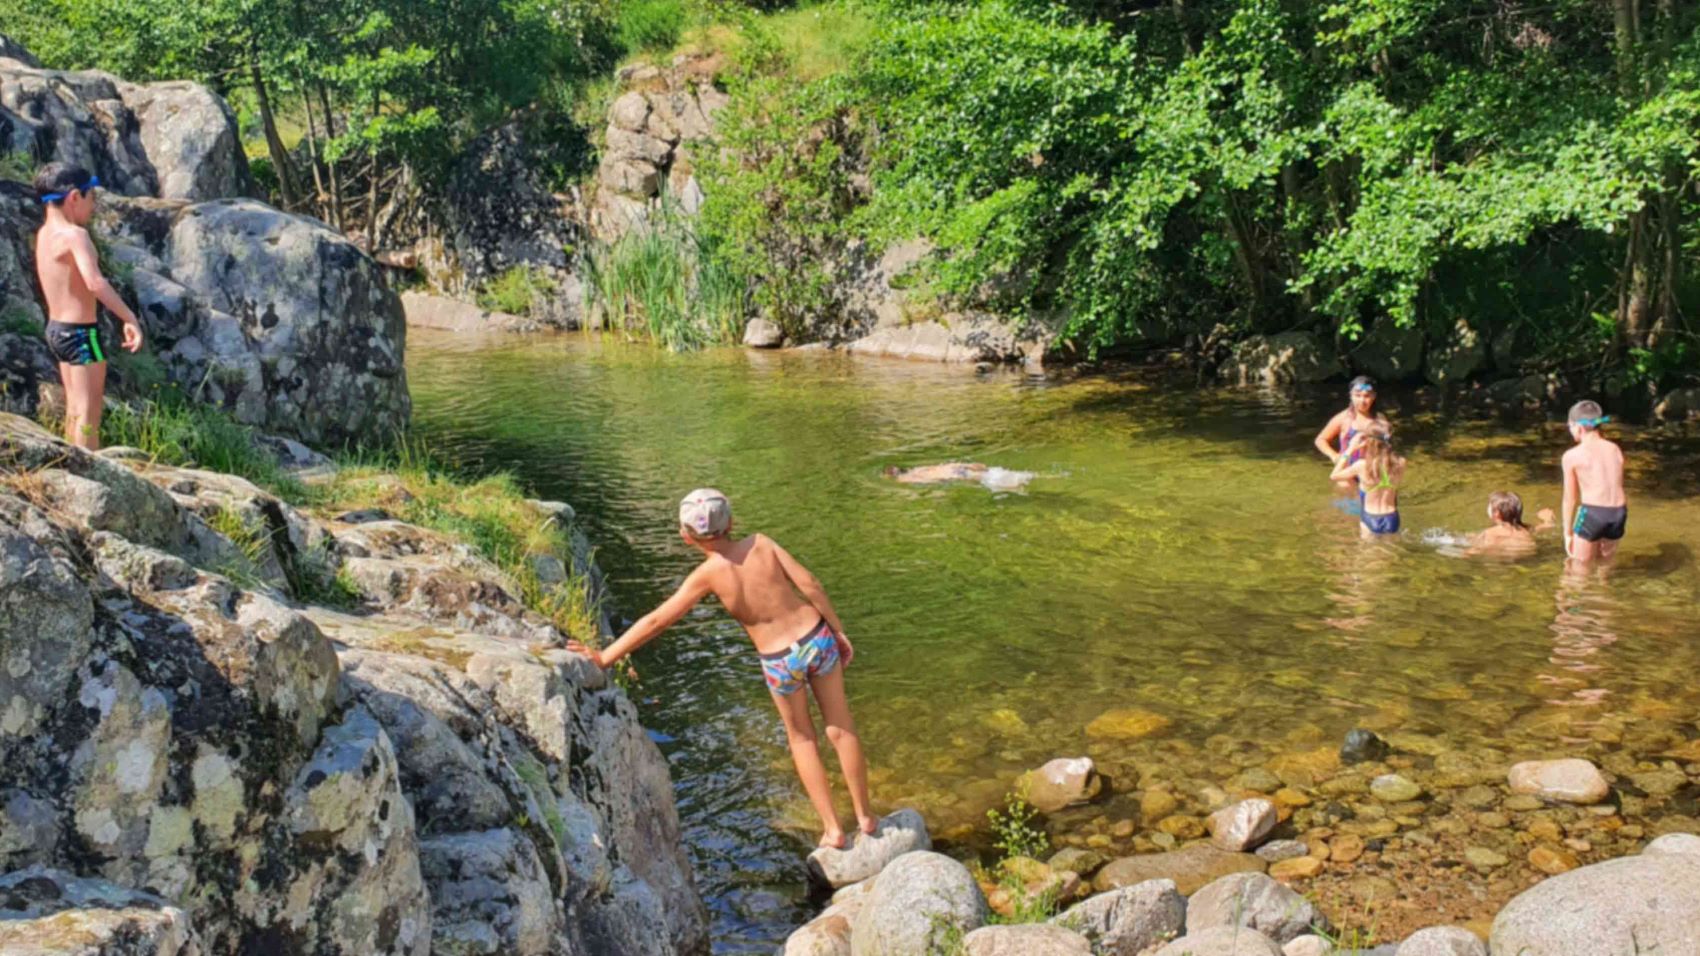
[705, 513]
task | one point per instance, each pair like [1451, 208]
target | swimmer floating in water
[1509, 536]
[993, 477]
[1369, 459]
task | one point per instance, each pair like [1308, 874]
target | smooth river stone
[1190, 868]
[1128, 921]
[1252, 901]
[829, 933]
[1637, 904]
[901, 832]
[921, 898]
[1242, 825]
[1130, 723]
[1063, 782]
[1393, 788]
[1442, 941]
[1683, 843]
[1571, 780]
[1222, 941]
[1033, 939]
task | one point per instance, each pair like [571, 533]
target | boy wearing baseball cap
[68, 267]
[787, 614]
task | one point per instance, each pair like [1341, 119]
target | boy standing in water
[69, 270]
[1595, 507]
[787, 615]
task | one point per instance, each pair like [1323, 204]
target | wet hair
[60, 178]
[1507, 507]
[1587, 414]
[1361, 383]
[1378, 454]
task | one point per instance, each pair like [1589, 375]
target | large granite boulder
[920, 901]
[413, 787]
[646, 163]
[1442, 941]
[174, 140]
[1287, 358]
[1623, 907]
[11, 49]
[302, 317]
[1456, 356]
[1389, 351]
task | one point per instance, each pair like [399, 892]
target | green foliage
[650, 24]
[663, 283]
[1015, 828]
[15, 320]
[17, 166]
[174, 430]
[252, 545]
[515, 291]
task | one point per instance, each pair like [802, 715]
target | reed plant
[661, 281]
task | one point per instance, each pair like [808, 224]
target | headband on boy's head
[55, 197]
[1364, 387]
[1592, 422]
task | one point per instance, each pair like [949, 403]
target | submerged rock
[1129, 920]
[1242, 825]
[1130, 723]
[1063, 782]
[1189, 868]
[1570, 780]
[870, 853]
[921, 900]
[1361, 746]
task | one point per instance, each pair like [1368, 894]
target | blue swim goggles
[1592, 422]
[1363, 387]
[55, 197]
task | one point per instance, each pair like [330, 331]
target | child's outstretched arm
[811, 589]
[694, 589]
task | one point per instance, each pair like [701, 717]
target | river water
[1180, 552]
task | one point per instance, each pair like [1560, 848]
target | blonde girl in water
[1370, 461]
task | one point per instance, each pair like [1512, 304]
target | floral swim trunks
[788, 670]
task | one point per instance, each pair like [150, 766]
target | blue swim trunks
[788, 670]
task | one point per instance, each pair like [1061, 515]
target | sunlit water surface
[1180, 551]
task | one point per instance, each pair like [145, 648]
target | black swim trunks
[74, 344]
[1594, 522]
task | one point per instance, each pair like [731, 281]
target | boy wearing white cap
[787, 614]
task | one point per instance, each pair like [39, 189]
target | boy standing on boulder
[787, 615]
[1595, 506]
[69, 270]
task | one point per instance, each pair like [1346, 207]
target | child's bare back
[753, 578]
[1596, 509]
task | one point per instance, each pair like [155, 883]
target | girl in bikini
[1370, 461]
[1335, 439]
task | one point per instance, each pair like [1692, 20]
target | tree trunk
[330, 164]
[1245, 254]
[319, 198]
[274, 142]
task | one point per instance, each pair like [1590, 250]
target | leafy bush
[650, 24]
[515, 291]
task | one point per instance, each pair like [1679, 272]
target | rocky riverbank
[235, 726]
[892, 895]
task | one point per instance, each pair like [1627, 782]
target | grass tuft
[662, 283]
[516, 291]
[650, 25]
[175, 431]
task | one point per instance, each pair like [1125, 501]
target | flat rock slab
[1190, 868]
[901, 832]
[1631, 906]
[47, 912]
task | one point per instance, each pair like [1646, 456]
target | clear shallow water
[1180, 551]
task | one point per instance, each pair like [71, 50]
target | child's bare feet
[867, 824]
[834, 840]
